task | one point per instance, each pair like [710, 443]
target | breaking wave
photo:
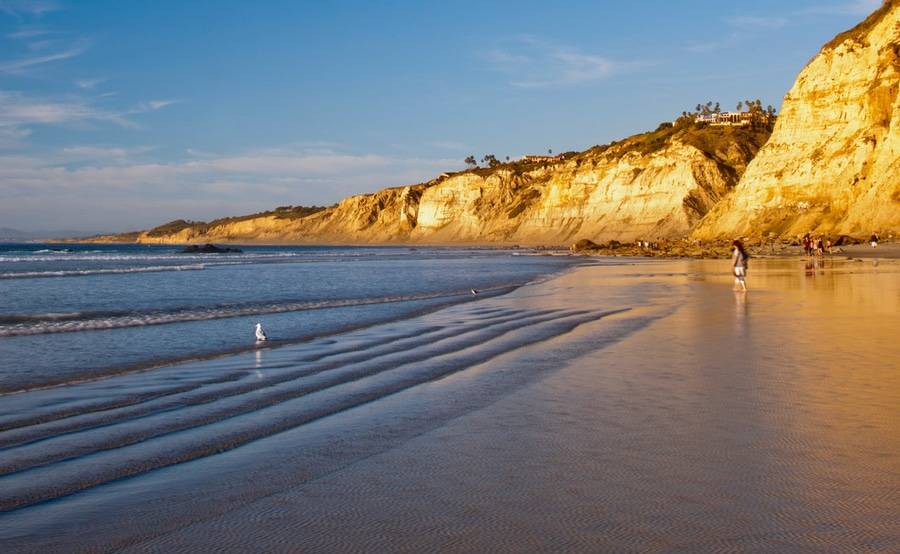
[38, 324]
[98, 271]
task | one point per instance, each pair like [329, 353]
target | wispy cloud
[12, 137]
[852, 7]
[29, 32]
[750, 22]
[531, 62]
[89, 83]
[39, 45]
[18, 112]
[157, 104]
[22, 64]
[740, 29]
[450, 145]
[112, 184]
[93, 152]
[702, 47]
[750, 27]
[19, 8]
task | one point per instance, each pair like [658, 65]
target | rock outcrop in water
[657, 184]
[832, 164]
[209, 249]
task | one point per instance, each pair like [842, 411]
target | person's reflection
[258, 364]
[810, 268]
[740, 311]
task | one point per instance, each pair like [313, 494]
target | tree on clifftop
[491, 160]
[471, 161]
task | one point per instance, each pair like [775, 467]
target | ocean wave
[39, 324]
[103, 257]
[54, 251]
[245, 257]
[98, 271]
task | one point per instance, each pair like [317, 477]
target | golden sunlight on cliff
[832, 162]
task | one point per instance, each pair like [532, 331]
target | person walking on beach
[807, 243]
[739, 258]
[873, 240]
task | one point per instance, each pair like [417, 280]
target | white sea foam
[39, 324]
[101, 257]
[98, 271]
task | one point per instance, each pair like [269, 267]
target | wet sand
[884, 250]
[628, 408]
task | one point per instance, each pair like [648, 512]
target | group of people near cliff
[816, 245]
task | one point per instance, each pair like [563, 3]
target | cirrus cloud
[86, 183]
[532, 62]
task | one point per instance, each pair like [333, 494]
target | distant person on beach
[873, 240]
[820, 246]
[739, 258]
[807, 244]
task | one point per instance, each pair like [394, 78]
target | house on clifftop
[734, 119]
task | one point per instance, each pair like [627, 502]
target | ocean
[83, 311]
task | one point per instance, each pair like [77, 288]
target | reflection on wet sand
[630, 408]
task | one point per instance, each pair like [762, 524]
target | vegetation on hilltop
[863, 28]
[708, 138]
[281, 212]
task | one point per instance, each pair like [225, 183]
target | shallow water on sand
[631, 408]
[70, 312]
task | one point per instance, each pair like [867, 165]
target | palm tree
[740, 106]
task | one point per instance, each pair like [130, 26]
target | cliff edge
[832, 164]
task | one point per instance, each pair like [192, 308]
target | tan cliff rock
[832, 164]
[657, 184]
[620, 193]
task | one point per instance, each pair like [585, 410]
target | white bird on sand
[260, 334]
[474, 292]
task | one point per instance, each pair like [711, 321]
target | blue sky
[123, 115]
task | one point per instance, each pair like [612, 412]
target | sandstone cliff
[832, 164]
[657, 184]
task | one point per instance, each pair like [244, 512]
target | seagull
[474, 292]
[260, 334]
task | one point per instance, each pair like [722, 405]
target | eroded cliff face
[652, 185]
[386, 216]
[620, 193]
[832, 164]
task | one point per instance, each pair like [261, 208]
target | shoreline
[670, 249]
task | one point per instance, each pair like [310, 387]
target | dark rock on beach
[209, 249]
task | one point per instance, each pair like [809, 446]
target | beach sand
[616, 408]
